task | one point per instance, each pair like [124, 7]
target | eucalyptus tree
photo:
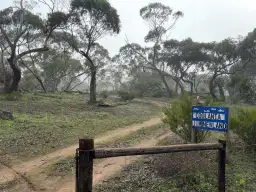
[160, 19]
[223, 56]
[242, 84]
[185, 59]
[90, 21]
[20, 27]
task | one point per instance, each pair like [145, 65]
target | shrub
[126, 96]
[243, 122]
[159, 93]
[178, 115]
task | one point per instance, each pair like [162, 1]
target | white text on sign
[211, 116]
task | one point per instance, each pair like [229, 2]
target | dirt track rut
[108, 167]
[9, 174]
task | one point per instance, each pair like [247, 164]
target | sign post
[210, 118]
[194, 132]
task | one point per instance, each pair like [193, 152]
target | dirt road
[102, 170]
[107, 167]
[9, 174]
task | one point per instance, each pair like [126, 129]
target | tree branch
[79, 83]
[32, 51]
[35, 75]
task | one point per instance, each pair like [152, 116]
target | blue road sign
[210, 118]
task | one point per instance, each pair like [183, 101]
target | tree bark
[16, 75]
[211, 86]
[221, 91]
[191, 85]
[176, 88]
[191, 88]
[3, 70]
[93, 86]
[170, 93]
[178, 84]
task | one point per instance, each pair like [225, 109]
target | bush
[104, 94]
[178, 115]
[243, 123]
[126, 96]
[159, 93]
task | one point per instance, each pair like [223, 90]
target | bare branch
[32, 51]
[79, 83]
[51, 7]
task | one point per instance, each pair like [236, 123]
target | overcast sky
[204, 20]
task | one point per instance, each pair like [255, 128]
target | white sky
[204, 20]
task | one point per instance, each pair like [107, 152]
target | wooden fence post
[85, 165]
[194, 132]
[194, 135]
[222, 166]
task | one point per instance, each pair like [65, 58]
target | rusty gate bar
[117, 152]
[86, 153]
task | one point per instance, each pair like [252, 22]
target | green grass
[67, 166]
[46, 122]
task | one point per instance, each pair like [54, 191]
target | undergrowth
[45, 122]
[184, 172]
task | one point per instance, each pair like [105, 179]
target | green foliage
[146, 84]
[157, 15]
[209, 101]
[159, 93]
[57, 19]
[29, 19]
[100, 11]
[178, 115]
[10, 16]
[242, 88]
[243, 123]
[58, 69]
[126, 96]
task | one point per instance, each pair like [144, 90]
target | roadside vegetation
[185, 172]
[46, 122]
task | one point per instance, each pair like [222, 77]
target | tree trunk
[178, 83]
[3, 71]
[221, 91]
[191, 85]
[176, 88]
[211, 87]
[167, 86]
[16, 75]
[93, 86]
